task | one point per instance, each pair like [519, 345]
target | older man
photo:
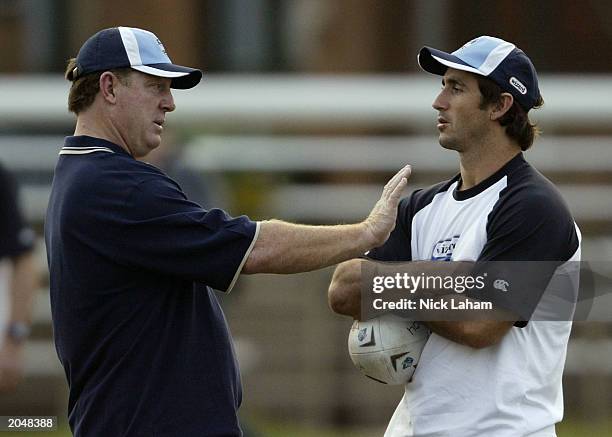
[138, 329]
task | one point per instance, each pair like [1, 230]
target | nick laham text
[431, 304]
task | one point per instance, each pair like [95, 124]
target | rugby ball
[387, 348]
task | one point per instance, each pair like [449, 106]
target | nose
[167, 103]
[440, 103]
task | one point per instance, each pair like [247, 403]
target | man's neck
[480, 163]
[85, 126]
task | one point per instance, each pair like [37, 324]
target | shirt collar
[84, 141]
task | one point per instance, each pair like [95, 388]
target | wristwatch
[18, 332]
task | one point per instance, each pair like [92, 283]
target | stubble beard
[450, 144]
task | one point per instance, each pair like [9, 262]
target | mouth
[159, 123]
[442, 123]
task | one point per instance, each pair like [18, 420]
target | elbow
[342, 300]
[480, 336]
[344, 293]
[479, 342]
[337, 299]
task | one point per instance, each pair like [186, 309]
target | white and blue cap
[122, 47]
[501, 61]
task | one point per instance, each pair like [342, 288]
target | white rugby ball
[387, 348]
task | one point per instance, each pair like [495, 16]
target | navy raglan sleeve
[528, 225]
[398, 246]
[15, 236]
[165, 232]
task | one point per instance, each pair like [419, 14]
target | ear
[503, 105]
[108, 83]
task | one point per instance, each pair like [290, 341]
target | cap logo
[161, 46]
[518, 85]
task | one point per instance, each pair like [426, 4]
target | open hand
[381, 220]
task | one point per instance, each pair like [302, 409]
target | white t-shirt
[512, 388]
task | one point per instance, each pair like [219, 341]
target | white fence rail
[242, 102]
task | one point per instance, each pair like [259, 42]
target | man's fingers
[397, 191]
[403, 172]
[397, 178]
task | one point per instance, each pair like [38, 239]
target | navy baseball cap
[501, 61]
[121, 47]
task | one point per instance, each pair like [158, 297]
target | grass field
[569, 428]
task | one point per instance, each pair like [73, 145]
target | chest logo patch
[443, 249]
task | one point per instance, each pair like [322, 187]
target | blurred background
[306, 108]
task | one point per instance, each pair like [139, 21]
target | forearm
[477, 334]
[283, 247]
[344, 294]
[23, 286]
[476, 329]
[345, 298]
[23, 283]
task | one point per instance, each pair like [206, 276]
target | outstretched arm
[283, 247]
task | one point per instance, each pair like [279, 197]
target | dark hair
[84, 89]
[517, 123]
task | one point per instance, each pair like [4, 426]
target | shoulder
[531, 220]
[422, 197]
[529, 192]
[119, 173]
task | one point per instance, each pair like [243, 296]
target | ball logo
[518, 85]
[407, 362]
[443, 249]
[365, 337]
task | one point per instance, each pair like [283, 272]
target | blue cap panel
[103, 50]
[150, 47]
[475, 52]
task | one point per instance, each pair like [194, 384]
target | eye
[159, 87]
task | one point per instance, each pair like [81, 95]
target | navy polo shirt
[139, 332]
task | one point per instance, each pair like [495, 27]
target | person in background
[18, 282]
